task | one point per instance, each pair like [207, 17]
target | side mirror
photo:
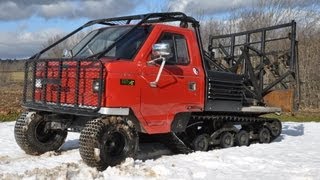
[67, 53]
[161, 49]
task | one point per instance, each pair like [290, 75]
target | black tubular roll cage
[127, 20]
[135, 21]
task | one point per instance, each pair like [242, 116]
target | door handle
[192, 86]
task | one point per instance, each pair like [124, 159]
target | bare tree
[57, 51]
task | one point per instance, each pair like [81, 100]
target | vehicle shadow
[152, 151]
[146, 150]
[70, 145]
[291, 130]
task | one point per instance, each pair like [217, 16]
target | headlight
[38, 83]
[95, 86]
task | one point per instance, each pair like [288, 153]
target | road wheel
[201, 142]
[242, 138]
[33, 137]
[108, 141]
[226, 140]
[264, 135]
[275, 128]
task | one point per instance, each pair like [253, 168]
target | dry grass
[17, 76]
[10, 101]
[298, 117]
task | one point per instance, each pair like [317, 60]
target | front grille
[63, 85]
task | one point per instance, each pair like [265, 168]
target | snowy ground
[294, 155]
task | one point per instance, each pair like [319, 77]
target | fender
[180, 122]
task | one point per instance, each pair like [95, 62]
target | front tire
[32, 136]
[108, 141]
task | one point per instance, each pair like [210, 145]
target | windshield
[99, 40]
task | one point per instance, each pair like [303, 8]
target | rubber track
[235, 118]
[176, 145]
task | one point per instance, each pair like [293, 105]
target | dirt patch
[65, 171]
[129, 168]
[4, 159]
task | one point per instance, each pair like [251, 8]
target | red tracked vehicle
[139, 77]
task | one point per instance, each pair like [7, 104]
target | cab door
[178, 87]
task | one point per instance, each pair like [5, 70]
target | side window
[182, 50]
[179, 49]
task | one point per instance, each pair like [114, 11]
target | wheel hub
[115, 144]
[42, 133]
[227, 140]
[264, 135]
[201, 142]
[275, 128]
[243, 138]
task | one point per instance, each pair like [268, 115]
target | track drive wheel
[264, 135]
[226, 140]
[242, 138]
[108, 141]
[275, 128]
[201, 142]
[34, 138]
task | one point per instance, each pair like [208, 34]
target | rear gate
[64, 85]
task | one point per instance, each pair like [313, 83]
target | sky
[26, 25]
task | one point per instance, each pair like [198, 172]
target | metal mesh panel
[28, 82]
[64, 85]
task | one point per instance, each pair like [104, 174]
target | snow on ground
[294, 155]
